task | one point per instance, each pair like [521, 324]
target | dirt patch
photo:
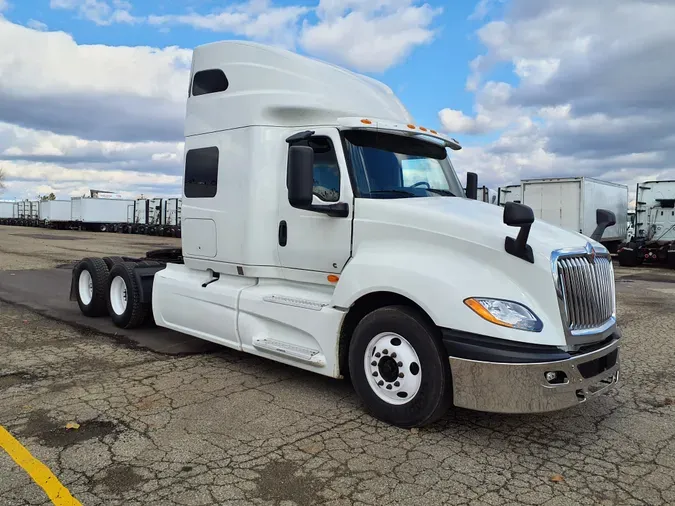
[653, 276]
[283, 481]
[119, 479]
[62, 437]
[15, 378]
[48, 237]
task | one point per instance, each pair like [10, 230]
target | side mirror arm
[519, 215]
[339, 210]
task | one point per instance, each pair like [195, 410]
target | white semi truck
[325, 229]
[653, 240]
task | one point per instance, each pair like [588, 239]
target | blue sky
[92, 91]
[431, 78]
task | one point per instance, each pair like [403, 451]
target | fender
[145, 277]
[438, 279]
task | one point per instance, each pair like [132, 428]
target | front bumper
[514, 380]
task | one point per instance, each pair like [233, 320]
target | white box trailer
[96, 213]
[55, 211]
[571, 203]
[509, 193]
[7, 210]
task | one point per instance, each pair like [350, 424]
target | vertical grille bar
[587, 291]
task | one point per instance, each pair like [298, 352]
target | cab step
[294, 351]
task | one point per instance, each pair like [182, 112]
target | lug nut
[375, 373]
[400, 375]
[397, 384]
[400, 364]
[388, 387]
[384, 352]
[380, 383]
[393, 355]
[373, 363]
[378, 354]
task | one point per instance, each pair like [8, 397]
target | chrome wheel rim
[86, 287]
[392, 368]
[118, 295]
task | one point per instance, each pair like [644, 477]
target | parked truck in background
[654, 222]
[325, 229]
[630, 231]
[572, 203]
[509, 193]
[488, 195]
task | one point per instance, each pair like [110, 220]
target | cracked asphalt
[228, 428]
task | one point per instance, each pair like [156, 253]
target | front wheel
[400, 368]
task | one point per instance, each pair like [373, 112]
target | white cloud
[4, 5]
[100, 12]
[36, 25]
[93, 91]
[593, 92]
[369, 36]
[27, 180]
[492, 112]
[18, 143]
[256, 19]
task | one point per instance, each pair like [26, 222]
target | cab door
[309, 240]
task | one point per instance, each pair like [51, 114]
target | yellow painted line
[40, 473]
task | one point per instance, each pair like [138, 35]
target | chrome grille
[587, 289]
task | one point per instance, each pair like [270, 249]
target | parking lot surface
[222, 427]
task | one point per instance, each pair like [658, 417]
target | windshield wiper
[394, 192]
[447, 193]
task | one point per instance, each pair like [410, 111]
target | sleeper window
[209, 81]
[201, 173]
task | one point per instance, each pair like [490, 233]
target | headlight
[505, 313]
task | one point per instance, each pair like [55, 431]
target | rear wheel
[400, 368]
[91, 277]
[112, 261]
[124, 297]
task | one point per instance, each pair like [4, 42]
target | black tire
[98, 271]
[434, 396]
[671, 258]
[135, 313]
[111, 261]
[629, 257]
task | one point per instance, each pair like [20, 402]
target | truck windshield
[389, 166]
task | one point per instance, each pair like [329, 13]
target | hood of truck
[438, 251]
[468, 221]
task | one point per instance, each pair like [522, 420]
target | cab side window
[326, 168]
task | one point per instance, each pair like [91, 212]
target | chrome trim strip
[294, 302]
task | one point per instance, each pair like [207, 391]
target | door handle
[283, 233]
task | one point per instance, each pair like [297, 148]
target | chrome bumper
[523, 387]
